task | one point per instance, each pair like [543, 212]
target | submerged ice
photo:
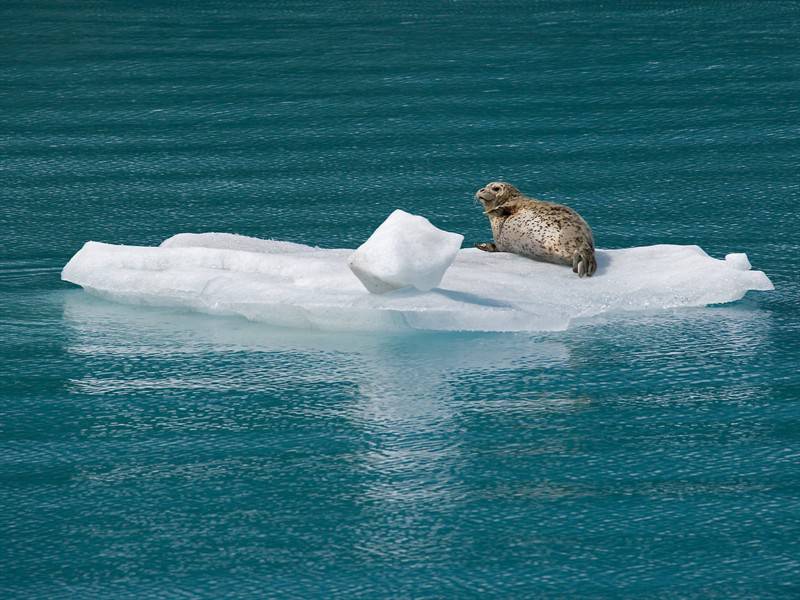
[293, 285]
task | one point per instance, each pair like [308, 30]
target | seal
[536, 229]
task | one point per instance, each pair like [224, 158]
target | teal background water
[149, 453]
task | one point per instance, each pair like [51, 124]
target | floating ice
[406, 250]
[293, 285]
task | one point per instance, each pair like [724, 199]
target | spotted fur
[536, 229]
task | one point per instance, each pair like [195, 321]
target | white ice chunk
[405, 250]
[298, 286]
[738, 261]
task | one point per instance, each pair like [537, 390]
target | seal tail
[583, 261]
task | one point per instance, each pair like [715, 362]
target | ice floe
[293, 285]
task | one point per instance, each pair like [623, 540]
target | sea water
[151, 452]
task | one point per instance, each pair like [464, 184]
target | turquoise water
[150, 453]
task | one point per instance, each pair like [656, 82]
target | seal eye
[496, 188]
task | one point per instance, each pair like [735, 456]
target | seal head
[494, 195]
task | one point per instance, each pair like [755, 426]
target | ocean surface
[156, 453]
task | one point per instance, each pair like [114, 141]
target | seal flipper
[487, 246]
[584, 262]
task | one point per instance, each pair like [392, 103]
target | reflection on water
[401, 396]
[197, 441]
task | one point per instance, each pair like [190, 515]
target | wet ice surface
[293, 285]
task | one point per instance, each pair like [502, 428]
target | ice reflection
[414, 430]
[408, 400]
[399, 366]
[413, 403]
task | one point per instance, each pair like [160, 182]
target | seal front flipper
[487, 246]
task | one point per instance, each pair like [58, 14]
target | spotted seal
[536, 229]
